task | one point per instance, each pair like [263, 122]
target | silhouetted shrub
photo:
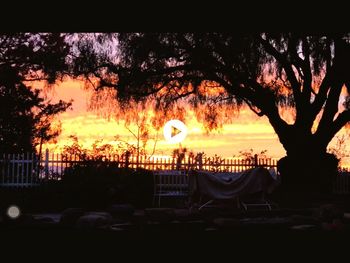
[91, 185]
[99, 184]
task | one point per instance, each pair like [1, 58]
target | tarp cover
[230, 185]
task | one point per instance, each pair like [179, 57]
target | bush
[100, 184]
[87, 186]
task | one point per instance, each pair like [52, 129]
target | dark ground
[210, 224]
[291, 227]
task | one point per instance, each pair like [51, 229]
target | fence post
[127, 156]
[46, 164]
[256, 160]
[200, 161]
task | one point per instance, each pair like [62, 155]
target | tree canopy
[308, 74]
[26, 116]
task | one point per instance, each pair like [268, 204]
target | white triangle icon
[175, 131]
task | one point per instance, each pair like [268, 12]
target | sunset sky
[247, 130]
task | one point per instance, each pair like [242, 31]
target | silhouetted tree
[299, 81]
[138, 120]
[26, 117]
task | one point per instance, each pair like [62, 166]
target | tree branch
[126, 126]
[281, 58]
[321, 96]
[305, 65]
[35, 79]
[342, 119]
[260, 114]
[330, 109]
[154, 145]
[263, 101]
[335, 76]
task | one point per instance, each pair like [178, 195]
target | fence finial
[256, 160]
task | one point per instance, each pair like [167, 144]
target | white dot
[13, 212]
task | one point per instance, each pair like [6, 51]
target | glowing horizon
[247, 131]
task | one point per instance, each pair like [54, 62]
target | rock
[346, 218]
[121, 210]
[303, 227]
[210, 229]
[94, 221]
[106, 215]
[139, 217]
[116, 229]
[335, 225]
[121, 227]
[226, 222]
[160, 214]
[44, 220]
[329, 212]
[183, 215]
[303, 220]
[277, 221]
[70, 216]
[103, 214]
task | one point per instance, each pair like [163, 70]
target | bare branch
[281, 58]
[260, 114]
[330, 109]
[127, 127]
[36, 79]
[342, 119]
[154, 145]
[307, 75]
[321, 96]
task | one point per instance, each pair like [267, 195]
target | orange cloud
[246, 130]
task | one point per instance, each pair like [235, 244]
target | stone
[70, 216]
[113, 228]
[210, 229]
[183, 215]
[160, 214]
[303, 227]
[94, 221]
[121, 226]
[44, 220]
[346, 215]
[103, 214]
[121, 210]
[304, 220]
[335, 225]
[226, 222]
[275, 221]
[329, 212]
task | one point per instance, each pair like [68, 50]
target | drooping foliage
[26, 117]
[308, 74]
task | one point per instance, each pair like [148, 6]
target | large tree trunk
[307, 171]
[313, 174]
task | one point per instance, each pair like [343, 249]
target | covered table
[224, 185]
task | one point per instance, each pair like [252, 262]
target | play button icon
[175, 131]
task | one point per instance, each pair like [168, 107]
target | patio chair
[170, 184]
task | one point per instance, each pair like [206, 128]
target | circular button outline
[178, 137]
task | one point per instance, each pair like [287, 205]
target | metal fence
[341, 184]
[29, 169]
